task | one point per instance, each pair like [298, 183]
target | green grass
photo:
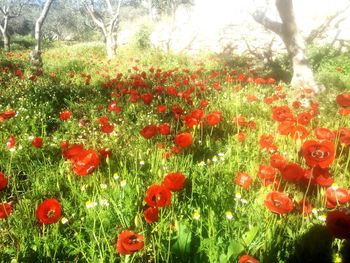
[98, 207]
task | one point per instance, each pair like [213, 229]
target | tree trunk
[110, 46]
[36, 53]
[6, 39]
[303, 77]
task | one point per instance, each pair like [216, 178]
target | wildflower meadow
[161, 157]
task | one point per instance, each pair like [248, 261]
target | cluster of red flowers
[84, 161]
[5, 208]
[158, 196]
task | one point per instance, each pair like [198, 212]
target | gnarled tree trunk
[35, 59]
[303, 77]
[6, 38]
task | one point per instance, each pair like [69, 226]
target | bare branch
[317, 32]
[262, 19]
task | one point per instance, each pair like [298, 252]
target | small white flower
[30, 138]
[64, 220]
[103, 186]
[229, 215]
[196, 215]
[104, 202]
[322, 218]
[238, 196]
[123, 183]
[142, 162]
[115, 176]
[90, 204]
[244, 201]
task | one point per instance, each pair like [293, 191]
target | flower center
[51, 213]
[319, 154]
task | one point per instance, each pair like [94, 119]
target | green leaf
[234, 249]
[183, 243]
[249, 236]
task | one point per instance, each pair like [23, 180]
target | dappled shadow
[314, 246]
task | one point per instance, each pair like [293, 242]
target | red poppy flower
[338, 224]
[164, 129]
[247, 259]
[292, 172]
[266, 172]
[343, 100]
[278, 203]
[11, 142]
[86, 162]
[174, 181]
[240, 136]
[278, 161]
[161, 108]
[49, 211]
[7, 115]
[190, 122]
[107, 128]
[147, 98]
[158, 196]
[213, 118]
[149, 131]
[266, 140]
[318, 153]
[285, 127]
[337, 195]
[129, 242]
[299, 132]
[304, 118]
[3, 181]
[37, 142]
[324, 134]
[183, 139]
[5, 210]
[344, 111]
[243, 179]
[106, 152]
[320, 176]
[72, 152]
[65, 115]
[151, 214]
[197, 114]
[282, 113]
[113, 107]
[344, 135]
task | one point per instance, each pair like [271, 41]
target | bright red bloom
[11, 143]
[161, 108]
[304, 118]
[247, 259]
[65, 115]
[190, 122]
[213, 118]
[151, 214]
[106, 152]
[49, 211]
[174, 181]
[338, 224]
[344, 135]
[183, 139]
[164, 129]
[324, 134]
[278, 203]
[278, 161]
[343, 100]
[129, 242]
[113, 107]
[243, 179]
[37, 142]
[292, 172]
[107, 128]
[72, 152]
[197, 114]
[266, 172]
[86, 162]
[282, 113]
[3, 181]
[299, 132]
[286, 127]
[147, 98]
[5, 210]
[344, 111]
[318, 153]
[158, 196]
[266, 140]
[337, 195]
[149, 131]
[320, 176]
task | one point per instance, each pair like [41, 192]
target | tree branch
[262, 19]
